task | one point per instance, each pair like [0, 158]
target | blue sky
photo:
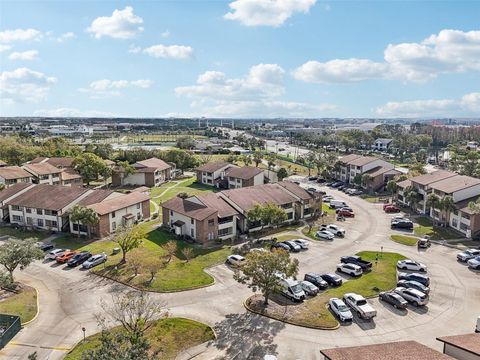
[243, 58]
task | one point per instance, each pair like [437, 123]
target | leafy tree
[247, 160]
[268, 214]
[182, 159]
[105, 151]
[89, 166]
[188, 253]
[2, 187]
[19, 253]
[392, 187]
[475, 206]
[128, 237]
[232, 159]
[366, 180]
[85, 216]
[126, 167]
[357, 180]
[185, 142]
[271, 159]
[411, 196]
[255, 215]
[262, 268]
[257, 157]
[282, 174]
[170, 248]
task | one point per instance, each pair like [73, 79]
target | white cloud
[165, 34]
[169, 52]
[266, 12]
[469, 104]
[9, 36]
[4, 47]
[72, 112]
[134, 49]
[24, 85]
[24, 55]
[335, 71]
[108, 88]
[123, 24]
[66, 36]
[255, 94]
[449, 51]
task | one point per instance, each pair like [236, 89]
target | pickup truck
[360, 306]
[357, 260]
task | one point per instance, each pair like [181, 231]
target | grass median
[23, 304]
[314, 312]
[168, 336]
[425, 226]
[404, 240]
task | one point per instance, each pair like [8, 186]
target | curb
[287, 321]
[38, 309]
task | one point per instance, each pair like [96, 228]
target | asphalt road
[70, 300]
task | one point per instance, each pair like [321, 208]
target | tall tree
[170, 248]
[282, 174]
[257, 157]
[83, 215]
[433, 201]
[392, 187]
[128, 237]
[447, 206]
[262, 268]
[19, 254]
[89, 166]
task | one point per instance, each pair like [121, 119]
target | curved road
[69, 299]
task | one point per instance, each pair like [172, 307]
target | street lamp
[83, 329]
[381, 251]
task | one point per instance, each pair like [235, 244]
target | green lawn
[326, 208]
[314, 313]
[23, 234]
[23, 304]
[425, 227]
[176, 276]
[405, 240]
[168, 336]
[188, 186]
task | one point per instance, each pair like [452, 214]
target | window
[455, 212]
[465, 216]
[138, 206]
[225, 232]
[40, 222]
[171, 213]
[289, 216]
[192, 221]
[463, 227]
[192, 233]
[211, 222]
[139, 216]
[16, 208]
[113, 214]
[17, 218]
[454, 222]
[225, 220]
[28, 210]
[83, 228]
[114, 225]
[29, 221]
[39, 211]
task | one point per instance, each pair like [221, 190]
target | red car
[346, 213]
[391, 209]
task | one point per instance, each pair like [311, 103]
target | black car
[316, 280]
[332, 279]
[312, 178]
[45, 247]
[292, 247]
[337, 184]
[402, 224]
[393, 299]
[281, 245]
[421, 278]
[320, 180]
[79, 258]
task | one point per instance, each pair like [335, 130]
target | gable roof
[95, 196]
[13, 189]
[405, 183]
[14, 172]
[119, 202]
[152, 163]
[3, 163]
[213, 166]
[245, 173]
[384, 141]
[296, 190]
[42, 169]
[69, 174]
[189, 208]
[455, 183]
[468, 342]
[346, 159]
[215, 201]
[362, 160]
[55, 161]
[432, 177]
[51, 197]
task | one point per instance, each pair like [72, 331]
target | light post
[83, 330]
[381, 251]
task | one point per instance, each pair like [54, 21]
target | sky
[242, 58]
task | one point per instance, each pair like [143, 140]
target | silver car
[338, 307]
[413, 296]
[309, 288]
[94, 261]
[52, 255]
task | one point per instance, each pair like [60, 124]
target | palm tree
[447, 205]
[433, 201]
[392, 187]
[366, 180]
[85, 216]
[412, 197]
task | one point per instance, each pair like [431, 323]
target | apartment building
[68, 176]
[382, 144]
[223, 215]
[59, 162]
[44, 173]
[10, 175]
[8, 194]
[228, 176]
[151, 172]
[349, 167]
[462, 347]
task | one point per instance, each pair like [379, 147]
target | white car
[474, 263]
[468, 254]
[324, 234]
[52, 255]
[334, 229]
[350, 269]
[94, 261]
[413, 296]
[327, 198]
[302, 243]
[339, 308]
[235, 260]
[411, 265]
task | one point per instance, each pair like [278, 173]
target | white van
[336, 204]
[292, 289]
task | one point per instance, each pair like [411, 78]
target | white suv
[350, 269]
[413, 296]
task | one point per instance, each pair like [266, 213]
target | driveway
[70, 300]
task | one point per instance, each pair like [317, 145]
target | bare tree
[171, 248]
[187, 252]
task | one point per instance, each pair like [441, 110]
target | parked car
[281, 245]
[334, 204]
[474, 263]
[360, 305]
[357, 260]
[408, 264]
[337, 210]
[292, 289]
[355, 192]
[94, 261]
[235, 260]
[327, 198]
[324, 234]
[413, 296]
[468, 254]
[350, 269]
[45, 246]
[52, 255]
[334, 229]
[414, 285]
[312, 178]
[402, 224]
[321, 180]
[316, 279]
[79, 258]
[337, 184]
[294, 247]
[302, 243]
[424, 243]
[346, 213]
[421, 278]
[391, 209]
[309, 288]
[393, 299]
[338, 307]
[399, 218]
[332, 279]
[67, 255]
